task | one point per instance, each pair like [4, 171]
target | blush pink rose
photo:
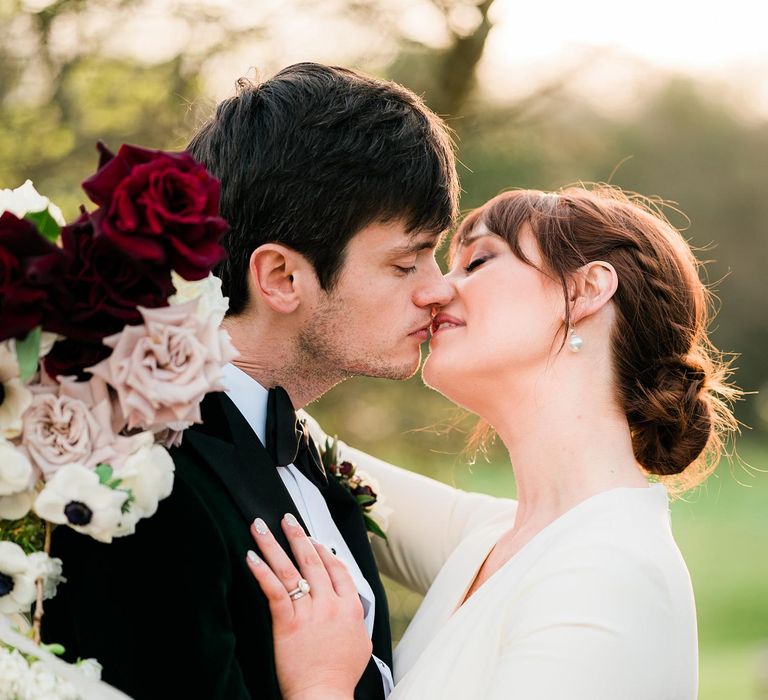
[72, 422]
[162, 369]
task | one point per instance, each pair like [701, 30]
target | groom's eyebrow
[416, 246]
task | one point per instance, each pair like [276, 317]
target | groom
[337, 187]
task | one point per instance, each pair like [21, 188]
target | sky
[726, 42]
[606, 48]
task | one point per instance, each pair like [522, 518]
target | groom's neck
[269, 356]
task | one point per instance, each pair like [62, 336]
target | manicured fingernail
[261, 526]
[253, 557]
[291, 520]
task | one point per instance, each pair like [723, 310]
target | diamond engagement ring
[302, 588]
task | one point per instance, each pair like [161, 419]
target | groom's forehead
[392, 239]
[416, 242]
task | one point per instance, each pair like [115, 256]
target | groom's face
[374, 320]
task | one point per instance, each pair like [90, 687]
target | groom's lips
[422, 333]
[443, 322]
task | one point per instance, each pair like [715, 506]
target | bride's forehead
[465, 237]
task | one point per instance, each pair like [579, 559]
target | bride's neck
[567, 441]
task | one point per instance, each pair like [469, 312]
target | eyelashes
[476, 263]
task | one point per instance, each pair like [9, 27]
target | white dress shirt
[250, 398]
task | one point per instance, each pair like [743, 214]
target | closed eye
[476, 263]
[405, 270]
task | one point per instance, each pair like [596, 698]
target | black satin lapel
[347, 515]
[244, 467]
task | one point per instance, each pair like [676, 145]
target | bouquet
[109, 339]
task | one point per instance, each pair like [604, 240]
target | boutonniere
[357, 483]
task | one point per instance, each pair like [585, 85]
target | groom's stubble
[328, 348]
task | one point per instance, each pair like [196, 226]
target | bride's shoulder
[623, 540]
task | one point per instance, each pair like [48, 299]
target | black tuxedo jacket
[173, 610]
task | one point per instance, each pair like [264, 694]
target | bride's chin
[438, 377]
[430, 373]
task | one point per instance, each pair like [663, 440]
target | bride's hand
[321, 644]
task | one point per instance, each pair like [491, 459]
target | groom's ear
[590, 289]
[277, 275]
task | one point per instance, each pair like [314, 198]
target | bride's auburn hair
[671, 382]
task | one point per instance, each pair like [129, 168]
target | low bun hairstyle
[670, 380]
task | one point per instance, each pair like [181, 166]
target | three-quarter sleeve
[426, 520]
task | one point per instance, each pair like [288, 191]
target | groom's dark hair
[313, 155]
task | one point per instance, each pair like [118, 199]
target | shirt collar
[249, 397]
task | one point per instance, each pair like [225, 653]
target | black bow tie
[288, 441]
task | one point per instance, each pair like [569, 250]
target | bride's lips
[422, 333]
[445, 322]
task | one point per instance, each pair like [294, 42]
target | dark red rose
[31, 277]
[159, 207]
[104, 286]
[365, 491]
[346, 469]
[71, 357]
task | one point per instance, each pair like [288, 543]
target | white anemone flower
[211, 302]
[14, 395]
[148, 474]
[17, 586]
[74, 496]
[15, 469]
[26, 199]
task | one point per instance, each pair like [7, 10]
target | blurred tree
[446, 75]
[68, 78]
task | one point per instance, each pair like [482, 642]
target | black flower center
[78, 513]
[2, 393]
[6, 584]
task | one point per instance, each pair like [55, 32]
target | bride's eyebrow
[465, 242]
[472, 237]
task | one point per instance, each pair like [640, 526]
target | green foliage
[27, 353]
[105, 472]
[373, 527]
[28, 532]
[45, 224]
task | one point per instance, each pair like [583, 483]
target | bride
[577, 330]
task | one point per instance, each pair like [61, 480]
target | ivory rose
[14, 396]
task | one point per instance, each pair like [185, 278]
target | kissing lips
[443, 322]
[422, 333]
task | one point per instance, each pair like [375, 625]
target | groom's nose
[434, 290]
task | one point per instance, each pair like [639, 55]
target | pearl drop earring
[575, 341]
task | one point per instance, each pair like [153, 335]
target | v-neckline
[463, 600]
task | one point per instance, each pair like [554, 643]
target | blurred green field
[722, 530]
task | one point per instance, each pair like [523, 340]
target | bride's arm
[426, 519]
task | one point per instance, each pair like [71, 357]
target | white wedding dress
[597, 606]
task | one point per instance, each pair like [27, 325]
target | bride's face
[503, 324]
